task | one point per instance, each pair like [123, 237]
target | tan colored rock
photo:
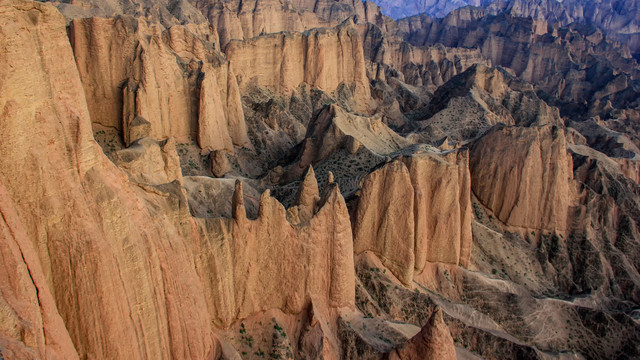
[524, 175]
[334, 127]
[384, 221]
[414, 210]
[323, 59]
[307, 196]
[148, 161]
[99, 266]
[212, 123]
[165, 92]
[442, 207]
[433, 342]
[220, 164]
[99, 246]
[250, 267]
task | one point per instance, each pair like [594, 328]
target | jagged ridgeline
[315, 180]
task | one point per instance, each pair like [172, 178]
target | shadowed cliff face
[307, 179]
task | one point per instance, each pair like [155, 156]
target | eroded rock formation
[326, 59]
[158, 75]
[414, 210]
[524, 175]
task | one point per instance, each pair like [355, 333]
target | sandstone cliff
[416, 65]
[117, 270]
[131, 70]
[524, 176]
[414, 210]
[322, 58]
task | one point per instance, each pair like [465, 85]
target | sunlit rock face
[314, 180]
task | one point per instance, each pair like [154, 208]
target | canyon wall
[116, 266]
[416, 209]
[525, 176]
[321, 58]
[133, 72]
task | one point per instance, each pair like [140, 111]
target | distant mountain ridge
[619, 19]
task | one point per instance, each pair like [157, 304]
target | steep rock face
[562, 62]
[384, 222]
[418, 66]
[166, 12]
[524, 175]
[435, 8]
[243, 20]
[131, 70]
[619, 19]
[248, 262]
[415, 210]
[322, 58]
[99, 266]
[89, 227]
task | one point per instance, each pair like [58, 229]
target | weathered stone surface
[414, 210]
[98, 266]
[322, 58]
[249, 263]
[219, 163]
[524, 175]
[433, 342]
[162, 70]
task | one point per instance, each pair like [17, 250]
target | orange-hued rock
[307, 198]
[384, 221]
[321, 58]
[122, 277]
[162, 72]
[524, 176]
[255, 265]
[433, 342]
[30, 325]
[148, 161]
[212, 123]
[101, 263]
[442, 207]
[414, 210]
[243, 20]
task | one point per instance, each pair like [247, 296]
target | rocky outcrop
[618, 20]
[99, 266]
[104, 254]
[562, 62]
[241, 20]
[479, 98]
[334, 128]
[433, 342]
[415, 210]
[323, 58]
[150, 162]
[524, 176]
[249, 264]
[431, 66]
[131, 70]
